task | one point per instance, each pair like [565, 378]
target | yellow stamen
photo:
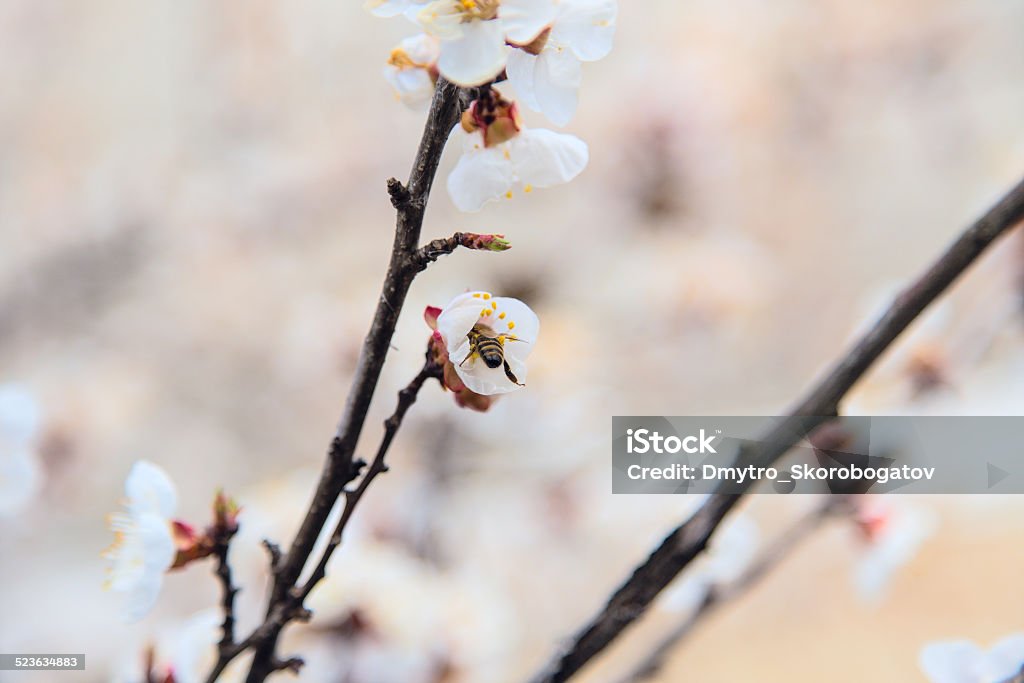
[511, 325]
[494, 305]
[477, 295]
[508, 195]
[501, 316]
[486, 296]
[528, 188]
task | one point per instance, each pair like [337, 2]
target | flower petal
[142, 597]
[481, 175]
[519, 321]
[544, 158]
[475, 57]
[489, 381]
[414, 86]
[149, 489]
[19, 415]
[19, 480]
[557, 81]
[457, 319]
[1006, 657]
[520, 69]
[951, 661]
[587, 27]
[523, 20]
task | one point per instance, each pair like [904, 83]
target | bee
[490, 348]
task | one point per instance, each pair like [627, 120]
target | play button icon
[996, 475]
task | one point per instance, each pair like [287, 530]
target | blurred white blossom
[144, 546]
[387, 616]
[961, 661]
[894, 532]
[547, 73]
[508, 321]
[412, 69]
[729, 553]
[20, 474]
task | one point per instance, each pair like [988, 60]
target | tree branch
[227, 648]
[717, 595]
[689, 539]
[435, 249]
[406, 397]
[410, 201]
[340, 468]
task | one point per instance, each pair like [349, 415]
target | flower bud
[496, 118]
[491, 242]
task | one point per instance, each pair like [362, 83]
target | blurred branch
[689, 539]
[717, 595]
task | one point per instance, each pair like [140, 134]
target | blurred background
[193, 232]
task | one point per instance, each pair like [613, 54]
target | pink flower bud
[491, 242]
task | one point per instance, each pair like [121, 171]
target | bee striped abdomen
[490, 350]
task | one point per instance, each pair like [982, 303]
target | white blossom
[412, 69]
[473, 33]
[20, 475]
[509, 321]
[548, 73]
[895, 532]
[730, 552]
[961, 661]
[144, 546]
[533, 158]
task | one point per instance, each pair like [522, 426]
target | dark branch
[717, 595]
[339, 470]
[227, 648]
[689, 539]
[406, 397]
[435, 249]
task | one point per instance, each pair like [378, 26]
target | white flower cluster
[144, 546]
[538, 46]
[961, 661]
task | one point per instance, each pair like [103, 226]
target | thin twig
[435, 249]
[689, 539]
[227, 648]
[717, 595]
[340, 468]
[406, 397]
[410, 201]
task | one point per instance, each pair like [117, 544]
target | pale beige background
[193, 229]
